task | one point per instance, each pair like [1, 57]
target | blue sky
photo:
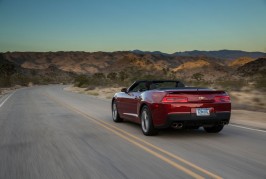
[114, 25]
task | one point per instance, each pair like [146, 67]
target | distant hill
[221, 54]
[148, 52]
[105, 62]
[57, 67]
[12, 73]
[256, 67]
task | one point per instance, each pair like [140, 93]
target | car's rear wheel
[214, 129]
[146, 122]
[115, 114]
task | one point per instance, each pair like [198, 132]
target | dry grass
[240, 61]
[8, 90]
[191, 65]
[243, 99]
[253, 99]
[103, 93]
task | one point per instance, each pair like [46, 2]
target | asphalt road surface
[46, 132]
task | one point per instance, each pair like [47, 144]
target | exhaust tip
[224, 123]
[176, 125]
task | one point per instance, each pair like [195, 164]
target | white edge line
[259, 130]
[6, 99]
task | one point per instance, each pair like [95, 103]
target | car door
[132, 100]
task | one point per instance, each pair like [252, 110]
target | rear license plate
[203, 111]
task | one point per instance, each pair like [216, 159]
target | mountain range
[222, 54]
[132, 65]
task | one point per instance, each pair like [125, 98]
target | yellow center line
[166, 152]
[174, 164]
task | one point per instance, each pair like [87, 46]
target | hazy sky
[113, 25]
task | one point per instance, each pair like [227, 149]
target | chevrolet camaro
[157, 104]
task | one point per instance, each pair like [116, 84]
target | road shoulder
[252, 119]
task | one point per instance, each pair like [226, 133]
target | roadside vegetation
[124, 78]
[246, 92]
[11, 76]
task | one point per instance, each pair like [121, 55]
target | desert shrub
[147, 62]
[123, 75]
[260, 83]
[85, 81]
[36, 80]
[5, 81]
[81, 80]
[197, 76]
[235, 85]
[147, 77]
[165, 70]
[99, 76]
[48, 80]
[201, 83]
[256, 99]
[112, 76]
[90, 88]
[19, 79]
[93, 93]
[6, 70]
[171, 75]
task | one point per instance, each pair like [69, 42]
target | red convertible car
[163, 104]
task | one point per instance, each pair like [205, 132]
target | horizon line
[145, 51]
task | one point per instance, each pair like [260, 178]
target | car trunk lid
[202, 95]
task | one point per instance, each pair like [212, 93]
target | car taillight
[174, 99]
[222, 99]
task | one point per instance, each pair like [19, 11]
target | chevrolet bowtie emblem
[201, 98]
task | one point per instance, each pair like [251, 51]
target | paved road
[46, 132]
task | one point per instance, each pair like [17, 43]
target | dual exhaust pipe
[223, 123]
[177, 125]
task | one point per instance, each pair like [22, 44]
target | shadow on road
[179, 133]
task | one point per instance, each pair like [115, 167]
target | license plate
[203, 111]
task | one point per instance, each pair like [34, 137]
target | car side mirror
[124, 90]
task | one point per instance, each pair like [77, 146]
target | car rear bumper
[190, 119]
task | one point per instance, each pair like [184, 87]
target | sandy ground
[102, 93]
[4, 91]
[244, 104]
[249, 100]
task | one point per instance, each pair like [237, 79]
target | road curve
[46, 132]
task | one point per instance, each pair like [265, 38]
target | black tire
[214, 129]
[146, 122]
[115, 114]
